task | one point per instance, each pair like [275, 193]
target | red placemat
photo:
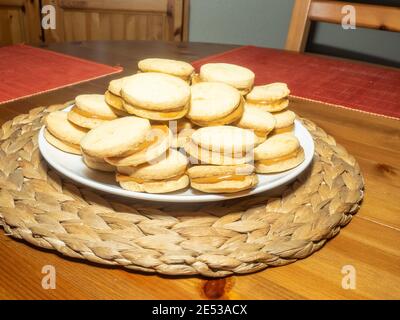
[355, 85]
[27, 71]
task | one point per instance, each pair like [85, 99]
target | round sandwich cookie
[113, 96]
[175, 68]
[214, 104]
[182, 138]
[156, 96]
[97, 163]
[260, 121]
[221, 145]
[62, 145]
[271, 97]
[176, 126]
[182, 130]
[90, 111]
[157, 142]
[181, 124]
[284, 122]
[237, 76]
[116, 138]
[278, 153]
[166, 174]
[62, 133]
[222, 179]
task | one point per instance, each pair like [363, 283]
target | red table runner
[26, 71]
[353, 85]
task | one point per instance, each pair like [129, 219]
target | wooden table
[370, 243]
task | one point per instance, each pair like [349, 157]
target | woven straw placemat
[218, 239]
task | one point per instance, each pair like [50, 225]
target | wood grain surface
[81, 20]
[19, 22]
[370, 243]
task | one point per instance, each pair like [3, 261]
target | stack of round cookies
[273, 98]
[166, 127]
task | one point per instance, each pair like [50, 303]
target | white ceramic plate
[73, 167]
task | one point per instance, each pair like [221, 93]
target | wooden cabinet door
[19, 22]
[80, 20]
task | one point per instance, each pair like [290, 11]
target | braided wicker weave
[237, 236]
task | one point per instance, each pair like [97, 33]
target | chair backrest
[119, 20]
[367, 16]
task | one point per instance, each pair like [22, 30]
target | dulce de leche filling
[195, 78]
[279, 159]
[268, 102]
[123, 178]
[185, 78]
[141, 149]
[112, 94]
[169, 114]
[160, 115]
[72, 145]
[216, 179]
[284, 129]
[91, 115]
[69, 144]
[261, 134]
[113, 100]
[153, 139]
[232, 117]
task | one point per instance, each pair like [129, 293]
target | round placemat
[232, 237]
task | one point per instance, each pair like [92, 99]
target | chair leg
[299, 26]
